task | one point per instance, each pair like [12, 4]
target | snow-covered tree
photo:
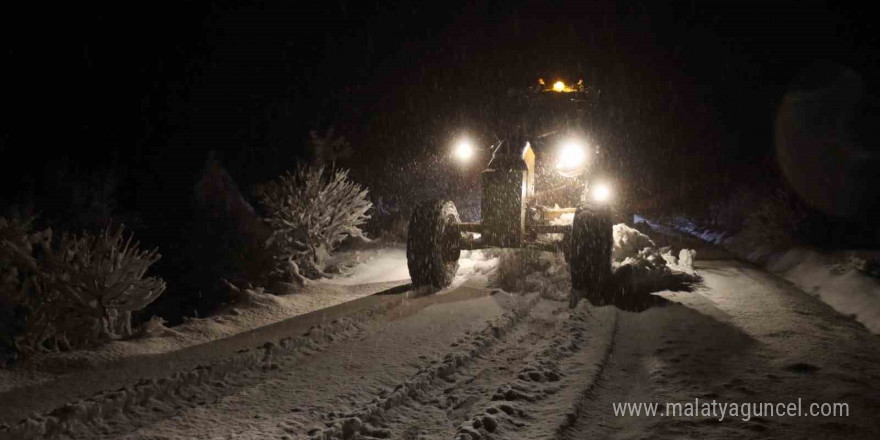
[310, 212]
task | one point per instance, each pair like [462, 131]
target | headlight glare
[571, 158]
[464, 150]
[601, 192]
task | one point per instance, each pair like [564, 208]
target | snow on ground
[373, 266]
[376, 270]
[388, 263]
[476, 362]
[253, 309]
[848, 281]
[368, 271]
[743, 336]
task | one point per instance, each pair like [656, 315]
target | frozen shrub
[310, 212]
[101, 278]
[77, 293]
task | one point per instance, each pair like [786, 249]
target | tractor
[572, 213]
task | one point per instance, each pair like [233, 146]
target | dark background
[152, 88]
[140, 93]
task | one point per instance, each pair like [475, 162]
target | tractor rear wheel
[590, 254]
[433, 244]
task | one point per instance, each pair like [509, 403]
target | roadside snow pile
[848, 281]
[640, 268]
[632, 247]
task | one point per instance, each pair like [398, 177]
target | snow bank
[848, 281]
[841, 280]
[632, 247]
[641, 268]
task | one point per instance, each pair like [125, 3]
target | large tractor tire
[590, 254]
[433, 244]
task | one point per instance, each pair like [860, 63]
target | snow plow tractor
[571, 213]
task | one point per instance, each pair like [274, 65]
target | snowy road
[477, 362]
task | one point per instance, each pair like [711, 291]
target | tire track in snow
[362, 421]
[542, 397]
[576, 411]
[438, 411]
[148, 401]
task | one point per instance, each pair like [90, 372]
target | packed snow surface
[848, 281]
[380, 265]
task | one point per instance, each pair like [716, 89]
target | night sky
[149, 89]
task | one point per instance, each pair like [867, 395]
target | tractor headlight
[464, 150]
[601, 192]
[571, 158]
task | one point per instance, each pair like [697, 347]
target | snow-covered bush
[310, 212]
[101, 278]
[76, 293]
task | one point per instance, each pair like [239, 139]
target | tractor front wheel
[433, 244]
[590, 254]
